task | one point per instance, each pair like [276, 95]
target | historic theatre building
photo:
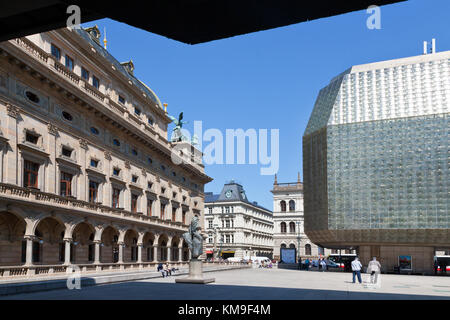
[86, 175]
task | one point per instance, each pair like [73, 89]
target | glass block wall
[376, 150]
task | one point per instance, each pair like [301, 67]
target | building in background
[376, 162]
[86, 171]
[289, 222]
[236, 227]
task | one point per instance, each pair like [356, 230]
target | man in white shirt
[356, 268]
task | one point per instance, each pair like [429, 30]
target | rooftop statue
[176, 132]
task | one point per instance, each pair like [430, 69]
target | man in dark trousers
[299, 267]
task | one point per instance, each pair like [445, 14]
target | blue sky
[270, 79]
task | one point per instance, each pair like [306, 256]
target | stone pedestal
[195, 273]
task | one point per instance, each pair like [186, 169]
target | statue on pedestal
[194, 238]
[177, 136]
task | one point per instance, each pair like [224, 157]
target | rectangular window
[69, 63]
[32, 138]
[93, 191]
[94, 163]
[149, 207]
[30, 175]
[56, 52]
[84, 74]
[66, 152]
[227, 223]
[116, 172]
[134, 202]
[210, 224]
[163, 210]
[65, 184]
[134, 179]
[115, 198]
[174, 214]
[95, 82]
[137, 111]
[121, 99]
[210, 210]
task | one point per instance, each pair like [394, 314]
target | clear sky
[270, 79]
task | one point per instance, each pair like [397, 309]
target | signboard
[288, 255]
[405, 262]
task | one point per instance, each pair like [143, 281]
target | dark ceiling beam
[188, 21]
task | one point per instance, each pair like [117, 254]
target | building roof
[232, 192]
[121, 67]
[189, 21]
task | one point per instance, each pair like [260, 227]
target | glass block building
[376, 159]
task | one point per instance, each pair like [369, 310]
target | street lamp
[215, 228]
[298, 240]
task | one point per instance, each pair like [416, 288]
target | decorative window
[116, 172]
[94, 130]
[116, 142]
[94, 163]
[149, 185]
[163, 210]
[183, 217]
[121, 99]
[32, 97]
[174, 195]
[65, 184]
[283, 227]
[174, 214]
[150, 121]
[291, 227]
[149, 207]
[115, 198]
[283, 205]
[84, 74]
[134, 202]
[30, 176]
[95, 82]
[67, 152]
[56, 52]
[69, 63]
[291, 205]
[134, 178]
[137, 111]
[93, 191]
[307, 249]
[31, 137]
[67, 116]
[210, 224]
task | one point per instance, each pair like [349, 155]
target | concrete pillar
[121, 245]
[29, 252]
[139, 257]
[97, 252]
[155, 253]
[67, 251]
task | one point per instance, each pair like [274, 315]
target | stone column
[67, 243]
[29, 252]
[97, 252]
[121, 245]
[155, 253]
[12, 162]
[139, 257]
[180, 254]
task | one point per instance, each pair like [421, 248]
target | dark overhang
[189, 21]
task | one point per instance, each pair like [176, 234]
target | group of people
[165, 269]
[265, 264]
[321, 263]
[374, 268]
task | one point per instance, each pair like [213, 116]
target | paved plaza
[260, 284]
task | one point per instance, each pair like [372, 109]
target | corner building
[86, 172]
[376, 161]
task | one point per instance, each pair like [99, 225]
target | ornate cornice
[12, 111]
[83, 144]
[52, 129]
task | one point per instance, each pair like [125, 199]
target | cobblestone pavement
[273, 284]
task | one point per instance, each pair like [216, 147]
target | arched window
[307, 249]
[283, 246]
[291, 227]
[292, 246]
[291, 205]
[283, 205]
[283, 227]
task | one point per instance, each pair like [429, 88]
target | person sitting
[167, 269]
[159, 267]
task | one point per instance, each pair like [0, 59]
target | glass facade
[376, 150]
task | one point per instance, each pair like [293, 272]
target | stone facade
[86, 174]
[289, 221]
[239, 227]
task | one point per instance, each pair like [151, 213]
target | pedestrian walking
[356, 269]
[307, 264]
[374, 268]
[299, 267]
[324, 264]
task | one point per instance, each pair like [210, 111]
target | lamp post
[215, 228]
[298, 240]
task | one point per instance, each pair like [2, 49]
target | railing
[32, 49]
[59, 269]
[66, 72]
[50, 198]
